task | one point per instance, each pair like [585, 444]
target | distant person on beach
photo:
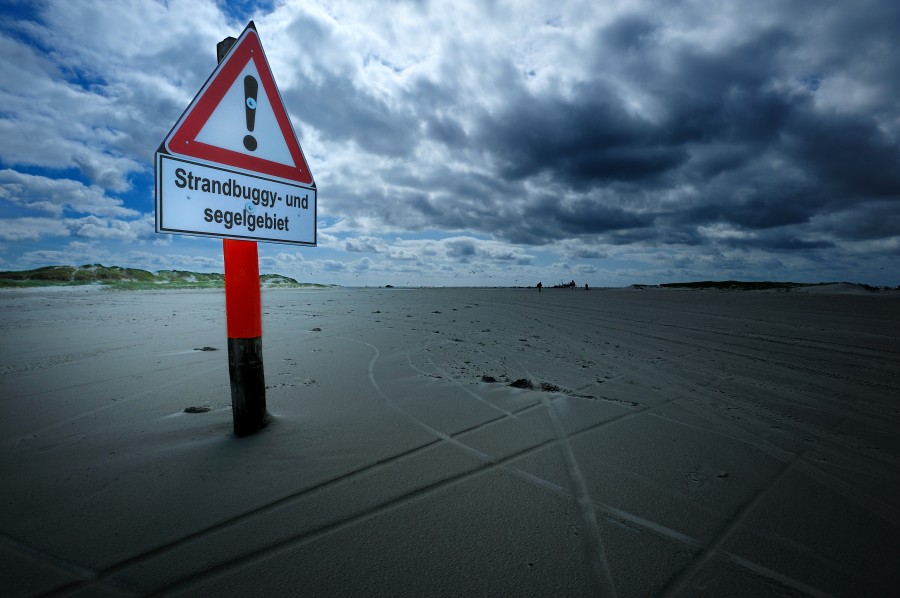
[539, 285]
[586, 287]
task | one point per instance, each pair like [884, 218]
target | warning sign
[233, 160]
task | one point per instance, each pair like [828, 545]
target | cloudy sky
[480, 142]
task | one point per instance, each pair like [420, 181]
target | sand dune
[657, 442]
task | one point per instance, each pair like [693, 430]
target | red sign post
[244, 315]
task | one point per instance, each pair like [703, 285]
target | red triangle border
[182, 140]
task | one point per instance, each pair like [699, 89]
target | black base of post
[248, 384]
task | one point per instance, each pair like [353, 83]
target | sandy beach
[453, 442]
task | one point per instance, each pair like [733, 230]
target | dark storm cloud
[332, 103]
[752, 202]
[445, 129]
[848, 155]
[582, 216]
[740, 125]
[868, 220]
[818, 165]
[584, 141]
[793, 244]
[588, 136]
[727, 94]
[461, 249]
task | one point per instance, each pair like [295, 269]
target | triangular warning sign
[238, 119]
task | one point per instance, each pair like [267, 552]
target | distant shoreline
[120, 278]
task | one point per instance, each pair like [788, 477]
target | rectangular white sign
[200, 199]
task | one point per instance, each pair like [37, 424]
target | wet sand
[670, 443]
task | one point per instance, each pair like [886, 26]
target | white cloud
[366, 243]
[31, 229]
[57, 195]
[74, 253]
[93, 227]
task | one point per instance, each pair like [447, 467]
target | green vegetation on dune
[132, 278]
[87, 274]
[182, 277]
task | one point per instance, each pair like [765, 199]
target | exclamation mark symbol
[251, 86]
